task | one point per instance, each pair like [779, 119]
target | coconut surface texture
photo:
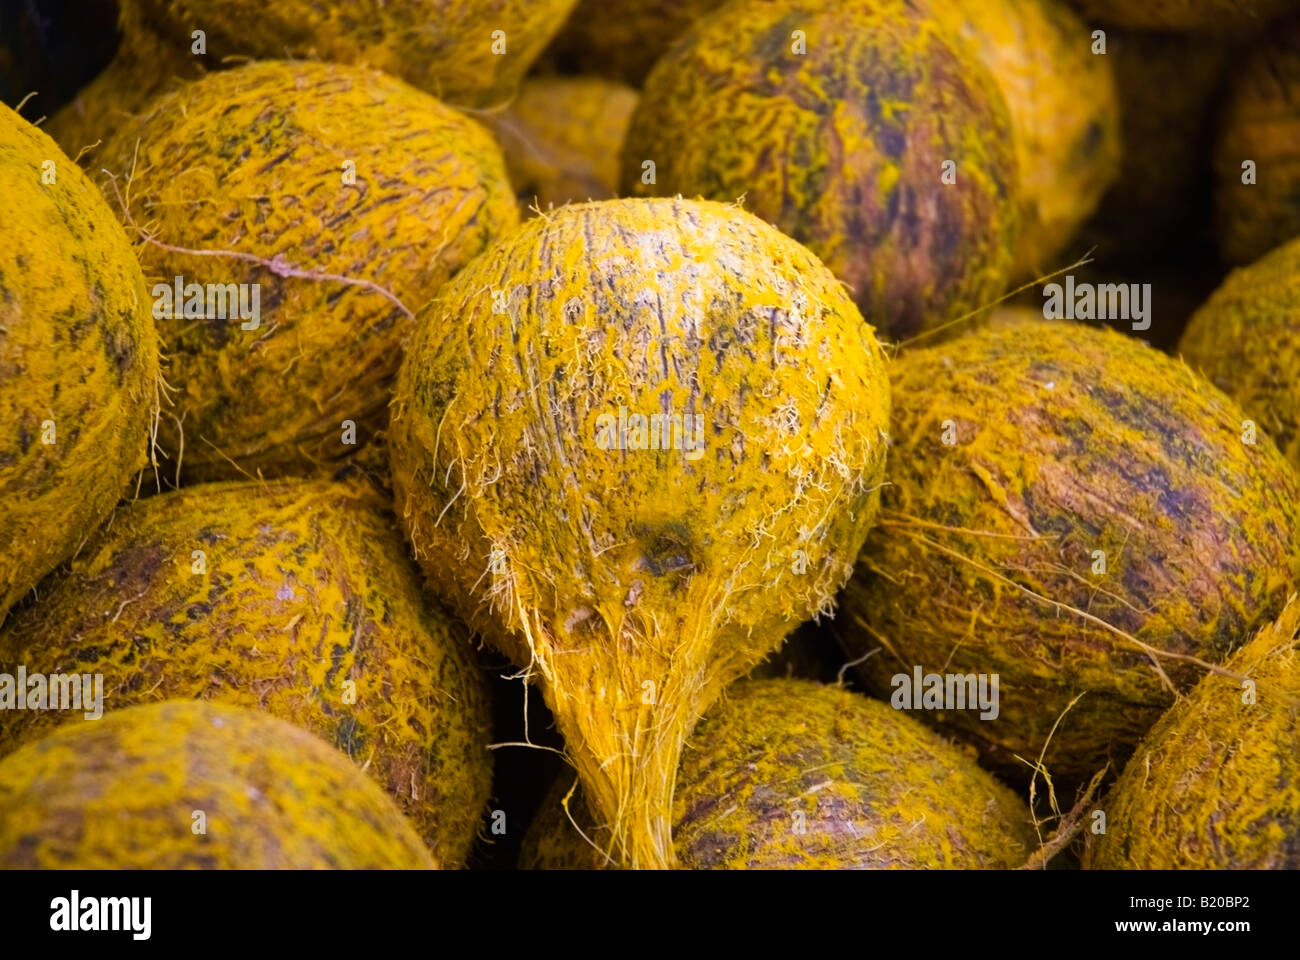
[622, 39]
[128, 791]
[1078, 514]
[561, 138]
[257, 162]
[1246, 338]
[1186, 14]
[1068, 144]
[788, 774]
[78, 358]
[296, 598]
[636, 574]
[1261, 124]
[844, 147]
[1213, 787]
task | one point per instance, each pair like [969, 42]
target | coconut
[622, 39]
[1261, 125]
[470, 53]
[183, 785]
[1213, 787]
[1077, 514]
[341, 223]
[1040, 54]
[561, 138]
[789, 774]
[78, 358]
[1186, 14]
[636, 566]
[840, 122]
[1246, 339]
[295, 598]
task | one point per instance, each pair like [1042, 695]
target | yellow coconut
[296, 598]
[1246, 338]
[78, 358]
[341, 199]
[1214, 785]
[787, 774]
[1078, 515]
[862, 129]
[185, 785]
[636, 443]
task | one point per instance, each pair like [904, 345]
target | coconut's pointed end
[625, 725]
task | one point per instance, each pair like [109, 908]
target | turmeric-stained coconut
[78, 358]
[1078, 514]
[638, 566]
[1246, 338]
[1214, 785]
[185, 785]
[373, 189]
[862, 128]
[787, 774]
[296, 598]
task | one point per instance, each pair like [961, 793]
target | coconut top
[338, 170]
[862, 128]
[296, 598]
[789, 774]
[123, 793]
[1216, 784]
[631, 309]
[450, 48]
[78, 357]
